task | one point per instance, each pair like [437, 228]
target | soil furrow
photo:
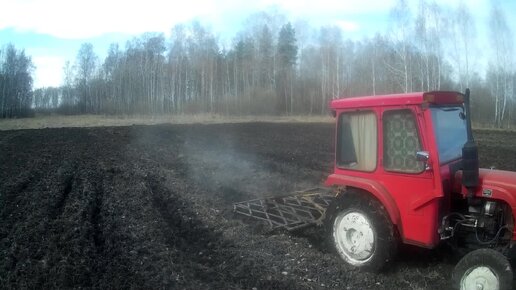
[96, 219]
[149, 207]
[62, 197]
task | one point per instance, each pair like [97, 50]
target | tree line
[15, 83]
[190, 73]
[274, 66]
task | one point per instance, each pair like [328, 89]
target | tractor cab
[403, 150]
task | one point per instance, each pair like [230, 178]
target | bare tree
[86, 65]
[463, 35]
[501, 71]
[400, 64]
[15, 83]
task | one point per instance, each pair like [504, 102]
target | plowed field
[151, 207]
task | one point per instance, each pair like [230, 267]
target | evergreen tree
[287, 47]
[287, 57]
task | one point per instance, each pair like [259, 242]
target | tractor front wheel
[362, 232]
[484, 269]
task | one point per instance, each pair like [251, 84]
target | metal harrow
[293, 211]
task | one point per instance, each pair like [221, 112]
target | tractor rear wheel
[361, 231]
[484, 269]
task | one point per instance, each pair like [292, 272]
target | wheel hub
[480, 278]
[354, 237]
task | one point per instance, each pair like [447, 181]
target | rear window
[357, 141]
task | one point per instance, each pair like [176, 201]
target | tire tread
[386, 245]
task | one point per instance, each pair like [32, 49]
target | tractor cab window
[401, 142]
[357, 141]
[450, 132]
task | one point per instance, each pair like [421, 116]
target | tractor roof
[441, 97]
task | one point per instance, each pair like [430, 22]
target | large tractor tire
[361, 231]
[483, 269]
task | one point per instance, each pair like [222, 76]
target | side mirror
[423, 156]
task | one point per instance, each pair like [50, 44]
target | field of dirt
[151, 207]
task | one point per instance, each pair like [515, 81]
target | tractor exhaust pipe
[470, 172]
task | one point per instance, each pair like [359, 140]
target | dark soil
[151, 207]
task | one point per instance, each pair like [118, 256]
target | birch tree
[463, 36]
[400, 66]
[15, 82]
[501, 71]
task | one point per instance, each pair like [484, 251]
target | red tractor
[406, 170]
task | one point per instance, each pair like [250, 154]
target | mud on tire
[361, 232]
[483, 269]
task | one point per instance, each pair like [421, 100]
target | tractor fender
[371, 186]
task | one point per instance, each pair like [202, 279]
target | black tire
[483, 266]
[385, 242]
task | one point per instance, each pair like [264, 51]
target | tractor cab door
[412, 183]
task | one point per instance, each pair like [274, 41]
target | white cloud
[348, 26]
[80, 19]
[49, 71]
[345, 7]
[83, 19]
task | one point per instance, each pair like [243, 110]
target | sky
[51, 31]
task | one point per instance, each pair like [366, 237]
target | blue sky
[51, 31]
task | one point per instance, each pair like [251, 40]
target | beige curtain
[365, 139]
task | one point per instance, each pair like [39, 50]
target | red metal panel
[369, 185]
[377, 101]
[441, 97]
